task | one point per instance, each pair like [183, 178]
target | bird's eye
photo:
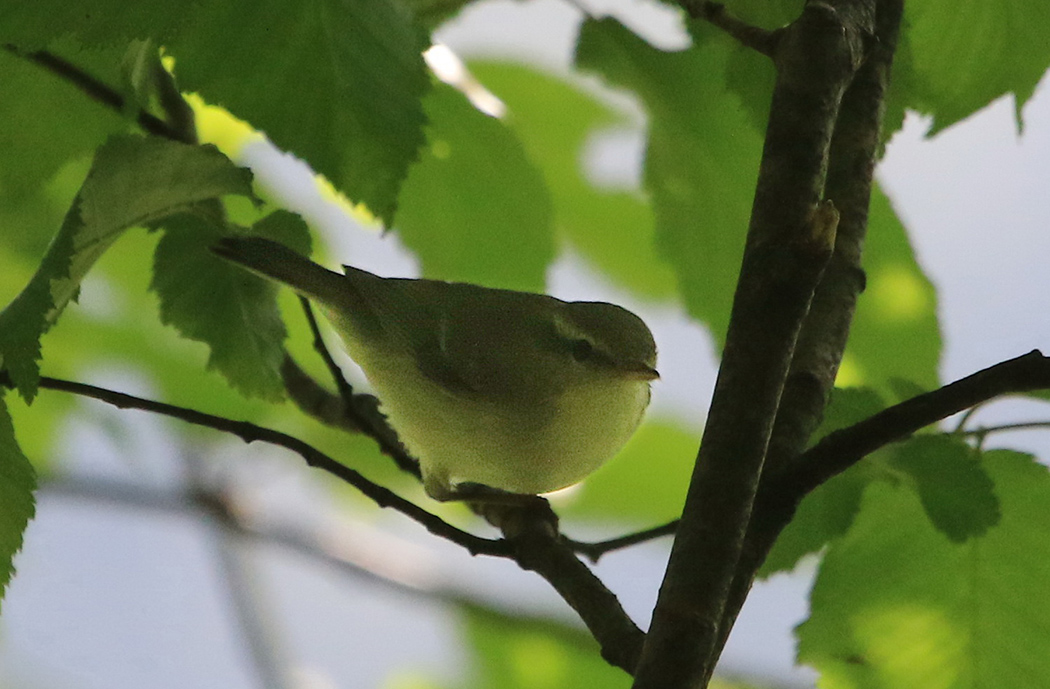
[582, 350]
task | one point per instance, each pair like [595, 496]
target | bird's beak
[639, 371]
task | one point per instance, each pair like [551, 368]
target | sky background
[117, 596]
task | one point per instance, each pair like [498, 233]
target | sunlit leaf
[474, 208]
[897, 604]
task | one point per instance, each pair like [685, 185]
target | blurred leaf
[847, 407]
[50, 123]
[822, 517]
[528, 653]
[904, 389]
[954, 488]
[966, 54]
[555, 120]
[897, 604]
[895, 333]
[474, 208]
[433, 13]
[132, 181]
[213, 301]
[32, 25]
[17, 505]
[644, 484]
[828, 512]
[342, 85]
[702, 158]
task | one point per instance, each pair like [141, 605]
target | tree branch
[788, 245]
[249, 432]
[822, 340]
[841, 449]
[595, 550]
[357, 413]
[530, 541]
[753, 37]
[97, 90]
[539, 548]
[784, 258]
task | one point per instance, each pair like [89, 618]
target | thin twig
[758, 39]
[250, 432]
[1020, 426]
[346, 391]
[595, 550]
[97, 90]
[842, 449]
[965, 418]
[349, 410]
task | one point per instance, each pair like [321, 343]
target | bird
[519, 392]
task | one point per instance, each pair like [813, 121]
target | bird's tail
[278, 262]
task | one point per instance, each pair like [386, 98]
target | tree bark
[789, 243]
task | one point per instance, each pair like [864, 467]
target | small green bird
[520, 392]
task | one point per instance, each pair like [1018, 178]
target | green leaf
[953, 487]
[897, 604]
[702, 157]
[474, 208]
[34, 310]
[213, 301]
[515, 652]
[343, 83]
[899, 306]
[612, 229]
[33, 25]
[828, 512]
[50, 124]
[133, 181]
[849, 406]
[822, 517]
[966, 53]
[17, 505]
[904, 389]
[645, 483]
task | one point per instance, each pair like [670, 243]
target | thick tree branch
[539, 547]
[822, 341]
[784, 258]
